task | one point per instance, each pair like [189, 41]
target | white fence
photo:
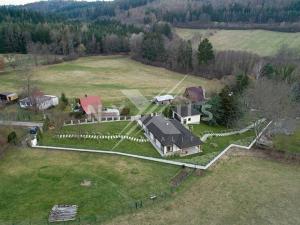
[190, 165]
[233, 132]
[101, 119]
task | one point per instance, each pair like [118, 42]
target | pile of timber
[61, 213]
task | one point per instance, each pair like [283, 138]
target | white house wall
[193, 119]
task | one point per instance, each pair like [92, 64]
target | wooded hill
[177, 11]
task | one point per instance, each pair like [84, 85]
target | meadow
[261, 42]
[106, 76]
[244, 189]
[32, 181]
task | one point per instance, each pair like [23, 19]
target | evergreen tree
[153, 48]
[242, 82]
[205, 52]
[64, 101]
[229, 107]
[216, 110]
[12, 138]
[268, 71]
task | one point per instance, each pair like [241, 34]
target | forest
[75, 29]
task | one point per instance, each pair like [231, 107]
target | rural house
[8, 97]
[39, 101]
[186, 114]
[163, 100]
[169, 137]
[91, 105]
[195, 94]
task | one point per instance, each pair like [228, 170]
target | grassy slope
[213, 146]
[288, 143]
[105, 76]
[243, 190]
[110, 128]
[264, 43]
[32, 181]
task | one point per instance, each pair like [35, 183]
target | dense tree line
[66, 38]
[170, 51]
[235, 12]
[85, 10]
[16, 15]
[222, 12]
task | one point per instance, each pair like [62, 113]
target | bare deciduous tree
[135, 43]
[271, 100]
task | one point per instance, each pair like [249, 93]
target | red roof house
[91, 104]
[195, 94]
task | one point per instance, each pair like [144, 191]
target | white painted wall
[191, 119]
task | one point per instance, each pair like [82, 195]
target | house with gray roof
[195, 94]
[169, 136]
[186, 114]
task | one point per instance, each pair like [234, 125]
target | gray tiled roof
[186, 110]
[170, 131]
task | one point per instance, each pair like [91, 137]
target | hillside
[263, 43]
[240, 190]
[176, 11]
[100, 75]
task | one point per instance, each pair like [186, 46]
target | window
[169, 148]
[189, 119]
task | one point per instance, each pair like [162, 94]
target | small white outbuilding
[163, 99]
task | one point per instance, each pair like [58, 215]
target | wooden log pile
[61, 213]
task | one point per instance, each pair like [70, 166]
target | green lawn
[211, 148]
[107, 128]
[215, 145]
[32, 181]
[201, 129]
[288, 143]
[264, 43]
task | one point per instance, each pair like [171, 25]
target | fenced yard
[124, 128]
[109, 136]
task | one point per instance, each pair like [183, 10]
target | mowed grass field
[105, 76]
[32, 181]
[261, 42]
[241, 190]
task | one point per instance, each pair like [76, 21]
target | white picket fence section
[100, 137]
[244, 130]
[105, 119]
